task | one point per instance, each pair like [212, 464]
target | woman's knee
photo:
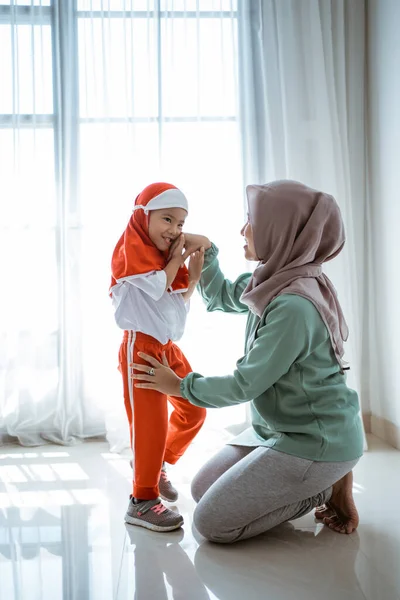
[210, 524]
[202, 482]
[215, 468]
[198, 487]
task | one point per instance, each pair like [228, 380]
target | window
[27, 208]
[99, 98]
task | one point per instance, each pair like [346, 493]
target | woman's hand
[194, 242]
[196, 265]
[158, 377]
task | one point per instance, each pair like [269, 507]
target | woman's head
[293, 229]
[290, 225]
[160, 211]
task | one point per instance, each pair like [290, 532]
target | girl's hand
[175, 252]
[158, 376]
[196, 265]
[195, 242]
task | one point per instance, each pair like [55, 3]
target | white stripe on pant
[130, 353]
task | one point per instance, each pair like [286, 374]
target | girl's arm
[190, 291]
[171, 270]
[175, 261]
[195, 267]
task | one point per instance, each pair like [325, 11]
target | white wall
[384, 218]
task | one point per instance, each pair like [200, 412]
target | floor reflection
[287, 563]
[62, 537]
[46, 552]
[156, 567]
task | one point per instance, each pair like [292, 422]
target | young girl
[150, 290]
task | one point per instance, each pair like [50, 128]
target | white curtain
[100, 98]
[384, 216]
[303, 117]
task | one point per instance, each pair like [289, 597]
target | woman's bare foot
[345, 516]
[324, 511]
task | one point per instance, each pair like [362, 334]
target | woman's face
[249, 248]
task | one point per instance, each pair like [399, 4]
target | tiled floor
[62, 537]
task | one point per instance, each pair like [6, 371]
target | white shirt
[141, 303]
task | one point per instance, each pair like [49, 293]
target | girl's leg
[262, 490]
[147, 413]
[186, 420]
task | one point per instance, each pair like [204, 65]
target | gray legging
[243, 491]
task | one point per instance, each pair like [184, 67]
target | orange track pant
[154, 437]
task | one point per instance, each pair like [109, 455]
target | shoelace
[159, 508]
[164, 476]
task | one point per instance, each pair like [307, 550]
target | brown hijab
[296, 229]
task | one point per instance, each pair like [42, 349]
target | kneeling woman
[306, 434]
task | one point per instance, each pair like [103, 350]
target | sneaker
[167, 490]
[152, 514]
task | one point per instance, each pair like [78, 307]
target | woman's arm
[220, 293]
[287, 336]
[217, 292]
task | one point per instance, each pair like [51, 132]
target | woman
[306, 433]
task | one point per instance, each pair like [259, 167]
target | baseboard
[383, 428]
[366, 417]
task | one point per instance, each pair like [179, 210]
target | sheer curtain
[99, 98]
[303, 117]
[383, 143]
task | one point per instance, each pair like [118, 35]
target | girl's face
[249, 248]
[165, 225]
